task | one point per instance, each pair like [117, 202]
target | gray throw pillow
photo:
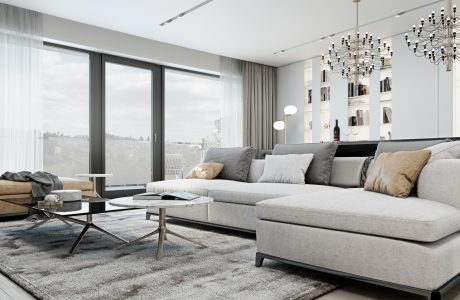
[449, 150]
[395, 146]
[320, 168]
[237, 161]
[289, 168]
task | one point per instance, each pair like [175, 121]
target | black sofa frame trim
[429, 294]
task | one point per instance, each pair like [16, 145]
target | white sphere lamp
[279, 125]
[290, 110]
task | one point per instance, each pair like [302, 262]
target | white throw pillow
[448, 150]
[290, 168]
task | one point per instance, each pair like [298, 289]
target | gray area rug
[38, 261]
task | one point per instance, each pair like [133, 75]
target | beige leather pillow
[205, 171]
[396, 173]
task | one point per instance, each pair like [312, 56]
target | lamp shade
[290, 110]
[279, 125]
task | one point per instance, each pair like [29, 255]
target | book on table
[166, 196]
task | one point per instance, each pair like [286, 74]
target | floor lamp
[279, 125]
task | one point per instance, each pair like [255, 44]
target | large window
[128, 126]
[65, 88]
[193, 113]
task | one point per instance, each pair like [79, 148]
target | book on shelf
[385, 85]
[325, 93]
[357, 89]
[166, 196]
[309, 96]
[324, 76]
[360, 118]
[387, 115]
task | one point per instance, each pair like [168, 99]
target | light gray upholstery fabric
[448, 150]
[346, 171]
[420, 265]
[234, 215]
[237, 161]
[259, 100]
[320, 168]
[360, 211]
[395, 146]
[195, 186]
[251, 193]
[440, 181]
[256, 170]
[290, 168]
[195, 213]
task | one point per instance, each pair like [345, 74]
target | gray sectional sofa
[409, 244]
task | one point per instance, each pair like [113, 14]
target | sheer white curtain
[231, 78]
[20, 95]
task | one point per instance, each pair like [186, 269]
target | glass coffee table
[68, 211]
[161, 205]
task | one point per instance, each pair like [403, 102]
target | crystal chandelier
[436, 39]
[358, 55]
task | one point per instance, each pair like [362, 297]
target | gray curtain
[259, 98]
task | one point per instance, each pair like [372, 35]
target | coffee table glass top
[74, 208]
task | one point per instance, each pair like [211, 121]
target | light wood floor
[350, 291]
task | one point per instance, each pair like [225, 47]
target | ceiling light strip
[365, 24]
[182, 14]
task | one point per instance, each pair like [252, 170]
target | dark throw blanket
[42, 182]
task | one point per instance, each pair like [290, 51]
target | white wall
[339, 104]
[112, 42]
[290, 91]
[422, 95]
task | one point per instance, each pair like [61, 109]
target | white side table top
[94, 175]
[129, 202]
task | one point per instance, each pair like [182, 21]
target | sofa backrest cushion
[256, 170]
[395, 146]
[236, 160]
[448, 150]
[320, 168]
[440, 181]
[347, 171]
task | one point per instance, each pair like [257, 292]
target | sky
[192, 102]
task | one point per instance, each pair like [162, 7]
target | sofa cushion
[251, 193]
[396, 173]
[320, 168]
[205, 171]
[195, 186]
[347, 171]
[395, 146]
[290, 168]
[356, 210]
[439, 181]
[236, 160]
[256, 170]
[448, 150]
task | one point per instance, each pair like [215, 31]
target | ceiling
[251, 30]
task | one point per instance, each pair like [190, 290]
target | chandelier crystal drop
[358, 55]
[436, 37]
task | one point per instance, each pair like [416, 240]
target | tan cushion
[14, 188]
[396, 173]
[205, 171]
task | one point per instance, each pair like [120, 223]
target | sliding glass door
[132, 127]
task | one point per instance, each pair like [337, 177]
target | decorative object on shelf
[358, 55]
[336, 131]
[279, 125]
[436, 38]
